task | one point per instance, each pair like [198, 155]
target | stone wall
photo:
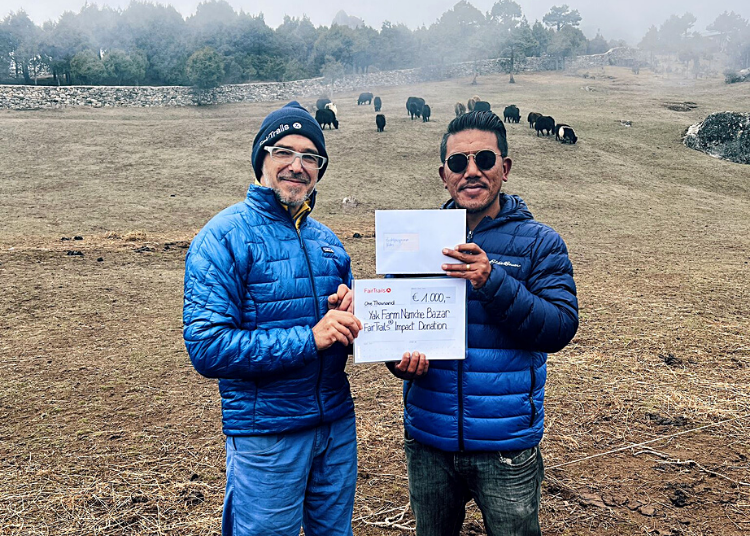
[36, 97]
[622, 57]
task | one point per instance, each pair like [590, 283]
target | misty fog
[615, 19]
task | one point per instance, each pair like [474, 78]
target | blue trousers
[277, 483]
[505, 486]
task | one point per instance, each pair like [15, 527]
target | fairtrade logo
[297, 125]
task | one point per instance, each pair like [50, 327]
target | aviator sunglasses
[484, 159]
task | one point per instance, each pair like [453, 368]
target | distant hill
[342, 19]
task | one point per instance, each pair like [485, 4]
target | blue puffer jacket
[494, 399]
[254, 288]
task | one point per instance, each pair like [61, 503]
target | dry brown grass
[106, 429]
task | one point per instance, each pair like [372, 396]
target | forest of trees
[729, 35]
[152, 44]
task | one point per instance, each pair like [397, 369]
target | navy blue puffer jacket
[494, 399]
[254, 288]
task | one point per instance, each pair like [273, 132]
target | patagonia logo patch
[328, 251]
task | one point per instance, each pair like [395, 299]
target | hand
[475, 266]
[342, 300]
[412, 365]
[336, 326]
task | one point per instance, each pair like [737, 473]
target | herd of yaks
[325, 114]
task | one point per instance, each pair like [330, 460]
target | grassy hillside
[106, 429]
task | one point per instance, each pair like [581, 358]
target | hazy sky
[620, 19]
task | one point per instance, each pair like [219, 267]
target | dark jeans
[505, 486]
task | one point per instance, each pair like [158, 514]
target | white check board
[400, 315]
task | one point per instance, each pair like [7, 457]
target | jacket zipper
[317, 316]
[531, 396]
[469, 237]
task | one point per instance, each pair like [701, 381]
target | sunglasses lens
[457, 162]
[485, 160]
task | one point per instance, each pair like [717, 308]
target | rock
[633, 505]
[194, 498]
[724, 135]
[679, 498]
[349, 203]
[681, 106]
[76, 253]
[614, 500]
[590, 499]
[730, 77]
[655, 418]
[670, 359]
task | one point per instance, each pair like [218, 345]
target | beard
[292, 199]
[478, 207]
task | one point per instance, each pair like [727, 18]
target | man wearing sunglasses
[473, 426]
[268, 311]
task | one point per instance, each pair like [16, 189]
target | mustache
[471, 183]
[294, 176]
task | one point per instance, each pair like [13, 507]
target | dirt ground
[106, 429]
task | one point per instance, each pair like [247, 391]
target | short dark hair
[487, 121]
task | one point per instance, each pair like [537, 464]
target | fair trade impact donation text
[427, 315]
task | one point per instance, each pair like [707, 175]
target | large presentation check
[427, 315]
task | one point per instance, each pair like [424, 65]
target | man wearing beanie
[268, 311]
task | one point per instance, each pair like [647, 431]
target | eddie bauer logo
[505, 263]
[377, 290]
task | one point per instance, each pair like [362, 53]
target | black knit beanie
[291, 119]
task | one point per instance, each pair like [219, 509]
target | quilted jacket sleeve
[217, 344]
[543, 314]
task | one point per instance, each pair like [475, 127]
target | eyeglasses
[484, 159]
[286, 156]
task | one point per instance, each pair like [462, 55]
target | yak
[512, 114]
[326, 117]
[545, 122]
[380, 122]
